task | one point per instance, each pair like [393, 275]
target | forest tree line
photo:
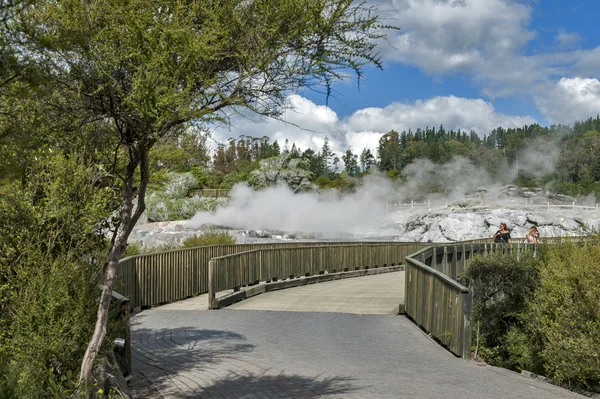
[561, 158]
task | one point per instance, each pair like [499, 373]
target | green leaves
[566, 316]
[49, 269]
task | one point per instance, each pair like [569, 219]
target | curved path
[182, 351]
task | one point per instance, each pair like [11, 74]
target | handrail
[153, 279]
[436, 300]
[233, 271]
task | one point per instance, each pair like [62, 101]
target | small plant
[211, 237]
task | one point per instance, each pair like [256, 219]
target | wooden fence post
[211, 284]
[467, 328]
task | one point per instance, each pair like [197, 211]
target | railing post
[467, 329]
[211, 284]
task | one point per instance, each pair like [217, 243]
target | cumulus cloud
[486, 40]
[567, 40]
[469, 36]
[570, 99]
[364, 128]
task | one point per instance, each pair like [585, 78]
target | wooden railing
[234, 271]
[209, 192]
[434, 296]
[153, 279]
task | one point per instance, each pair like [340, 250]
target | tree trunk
[137, 156]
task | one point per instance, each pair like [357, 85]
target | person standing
[502, 236]
[533, 237]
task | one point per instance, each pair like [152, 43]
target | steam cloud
[279, 209]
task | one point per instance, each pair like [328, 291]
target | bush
[501, 283]
[210, 238]
[173, 203]
[160, 208]
[180, 184]
[51, 258]
[564, 315]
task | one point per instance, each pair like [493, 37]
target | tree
[366, 159]
[501, 283]
[389, 151]
[282, 169]
[351, 162]
[326, 155]
[152, 69]
[50, 248]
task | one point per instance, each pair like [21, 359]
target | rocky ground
[475, 216]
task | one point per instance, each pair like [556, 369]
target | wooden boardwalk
[181, 350]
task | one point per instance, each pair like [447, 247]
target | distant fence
[153, 279]
[209, 192]
[390, 206]
[271, 264]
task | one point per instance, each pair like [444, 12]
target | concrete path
[181, 351]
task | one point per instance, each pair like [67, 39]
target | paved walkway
[181, 351]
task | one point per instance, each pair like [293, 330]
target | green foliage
[51, 253]
[501, 282]
[541, 314]
[322, 181]
[565, 317]
[211, 237]
[282, 170]
[161, 208]
[134, 249]
[173, 203]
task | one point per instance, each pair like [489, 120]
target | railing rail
[434, 296]
[153, 279]
[234, 271]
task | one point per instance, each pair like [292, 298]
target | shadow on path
[188, 362]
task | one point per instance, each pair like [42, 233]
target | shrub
[501, 283]
[51, 257]
[162, 209]
[180, 184]
[210, 238]
[564, 315]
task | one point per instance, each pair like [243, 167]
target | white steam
[278, 208]
[364, 211]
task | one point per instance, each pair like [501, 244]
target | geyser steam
[278, 208]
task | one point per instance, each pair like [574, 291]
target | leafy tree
[51, 258]
[564, 316]
[326, 155]
[351, 163]
[314, 162]
[282, 169]
[501, 283]
[154, 69]
[367, 160]
[389, 151]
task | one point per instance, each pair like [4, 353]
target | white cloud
[487, 40]
[455, 35]
[570, 99]
[365, 127]
[567, 40]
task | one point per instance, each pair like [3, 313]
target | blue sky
[468, 64]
